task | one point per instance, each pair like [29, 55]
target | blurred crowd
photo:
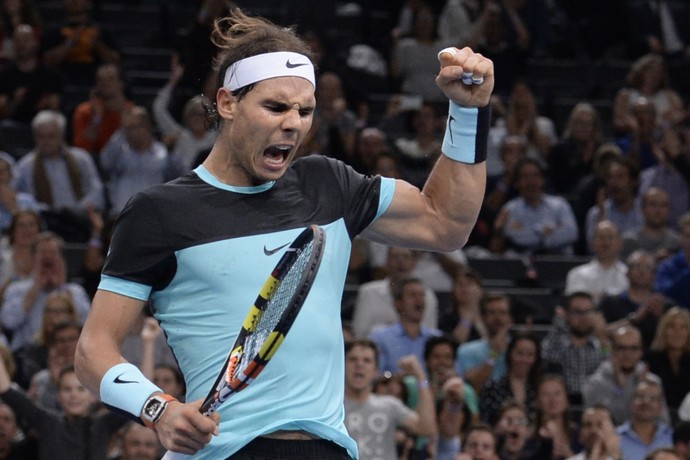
[589, 166]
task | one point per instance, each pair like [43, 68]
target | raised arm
[442, 215]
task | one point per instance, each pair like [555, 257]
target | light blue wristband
[124, 387]
[467, 131]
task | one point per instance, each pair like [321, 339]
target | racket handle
[170, 455]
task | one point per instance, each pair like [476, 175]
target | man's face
[619, 184]
[641, 271]
[140, 443]
[530, 181]
[263, 129]
[514, 426]
[497, 316]
[626, 351]
[656, 208]
[580, 316]
[360, 367]
[400, 261]
[606, 241]
[647, 403]
[48, 139]
[8, 426]
[411, 304]
[480, 445]
[593, 422]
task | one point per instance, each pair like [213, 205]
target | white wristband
[124, 387]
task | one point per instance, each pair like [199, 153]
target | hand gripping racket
[269, 319]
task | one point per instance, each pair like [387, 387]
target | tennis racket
[269, 319]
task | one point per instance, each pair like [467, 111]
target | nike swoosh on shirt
[270, 252]
[119, 380]
[290, 65]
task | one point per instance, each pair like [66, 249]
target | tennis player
[201, 246]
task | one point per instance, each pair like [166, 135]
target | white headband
[269, 65]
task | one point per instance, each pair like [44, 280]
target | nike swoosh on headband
[270, 252]
[290, 65]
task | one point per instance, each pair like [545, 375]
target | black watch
[154, 408]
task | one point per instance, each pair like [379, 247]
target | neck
[653, 232]
[607, 261]
[639, 294]
[412, 328]
[645, 430]
[359, 395]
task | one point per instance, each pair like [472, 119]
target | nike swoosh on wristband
[119, 380]
[270, 252]
[290, 65]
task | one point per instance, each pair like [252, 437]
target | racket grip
[170, 455]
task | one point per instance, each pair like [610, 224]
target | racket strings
[276, 306]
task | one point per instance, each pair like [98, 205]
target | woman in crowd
[553, 421]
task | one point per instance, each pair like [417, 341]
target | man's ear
[225, 103]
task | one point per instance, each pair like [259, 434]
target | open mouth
[277, 155]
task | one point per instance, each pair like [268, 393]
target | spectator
[535, 222]
[480, 444]
[12, 15]
[79, 46]
[644, 431]
[605, 273]
[482, 360]
[553, 425]
[134, 159]
[374, 304]
[572, 158]
[94, 121]
[414, 61]
[458, 21]
[523, 370]
[27, 86]
[169, 379]
[408, 335]
[454, 417]
[11, 200]
[24, 301]
[659, 27]
[654, 236]
[576, 344]
[370, 144]
[515, 435]
[648, 78]
[640, 305]
[613, 383]
[14, 445]
[669, 356]
[185, 140]
[365, 410]
[18, 256]
[465, 319]
[619, 203]
[68, 435]
[63, 178]
[681, 439]
[138, 443]
[598, 437]
[673, 275]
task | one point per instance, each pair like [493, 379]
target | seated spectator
[681, 439]
[374, 304]
[553, 425]
[619, 204]
[576, 344]
[673, 275]
[605, 274]
[480, 444]
[523, 371]
[67, 435]
[14, 444]
[598, 435]
[659, 27]
[516, 440]
[12, 15]
[134, 159]
[654, 236]
[645, 431]
[185, 140]
[613, 383]
[18, 255]
[648, 78]
[535, 222]
[572, 158]
[370, 143]
[669, 356]
[62, 178]
[32, 357]
[136, 442]
[483, 360]
[639, 305]
[12, 200]
[24, 301]
[465, 321]
[27, 86]
[78, 45]
[95, 120]
[408, 336]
